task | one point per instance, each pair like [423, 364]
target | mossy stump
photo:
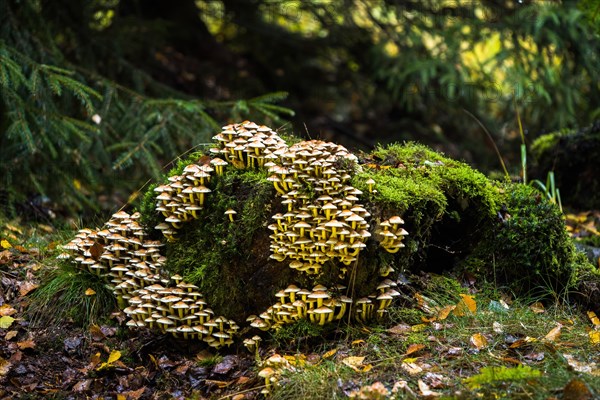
[275, 236]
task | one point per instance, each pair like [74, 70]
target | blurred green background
[97, 97]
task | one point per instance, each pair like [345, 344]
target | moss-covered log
[256, 231]
[456, 218]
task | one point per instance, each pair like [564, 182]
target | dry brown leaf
[537, 308]
[6, 309]
[576, 389]
[413, 348]
[82, 386]
[96, 250]
[219, 384]
[26, 344]
[10, 334]
[96, 332]
[466, 306]
[400, 329]
[4, 366]
[478, 341]
[554, 334]
[26, 287]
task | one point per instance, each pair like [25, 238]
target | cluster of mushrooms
[121, 254]
[330, 225]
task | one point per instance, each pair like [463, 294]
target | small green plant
[70, 294]
[549, 189]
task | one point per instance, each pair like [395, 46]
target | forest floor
[447, 337]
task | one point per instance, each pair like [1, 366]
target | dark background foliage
[97, 96]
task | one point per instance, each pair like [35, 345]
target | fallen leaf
[522, 342]
[588, 368]
[5, 309]
[400, 329]
[466, 306]
[425, 391]
[10, 334]
[554, 333]
[594, 318]
[82, 386]
[360, 341]
[418, 328]
[6, 321]
[411, 368]
[26, 287]
[96, 250]
[444, 312]
[5, 244]
[478, 341]
[497, 327]
[219, 384]
[537, 308]
[594, 337]
[4, 366]
[90, 292]
[330, 353]
[576, 389]
[26, 344]
[413, 348]
[135, 394]
[112, 358]
[356, 363]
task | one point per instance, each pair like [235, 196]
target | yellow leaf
[330, 353]
[594, 318]
[357, 342]
[6, 321]
[554, 333]
[356, 363]
[112, 358]
[594, 337]
[77, 184]
[413, 348]
[479, 341]
[26, 344]
[444, 312]
[121, 397]
[465, 306]
[90, 292]
[5, 245]
[418, 327]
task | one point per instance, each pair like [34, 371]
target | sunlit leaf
[400, 329]
[418, 327]
[112, 358]
[478, 341]
[554, 333]
[466, 306]
[413, 348]
[356, 363]
[359, 341]
[594, 318]
[497, 327]
[90, 292]
[6, 321]
[411, 368]
[26, 287]
[444, 312]
[594, 337]
[5, 244]
[330, 353]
